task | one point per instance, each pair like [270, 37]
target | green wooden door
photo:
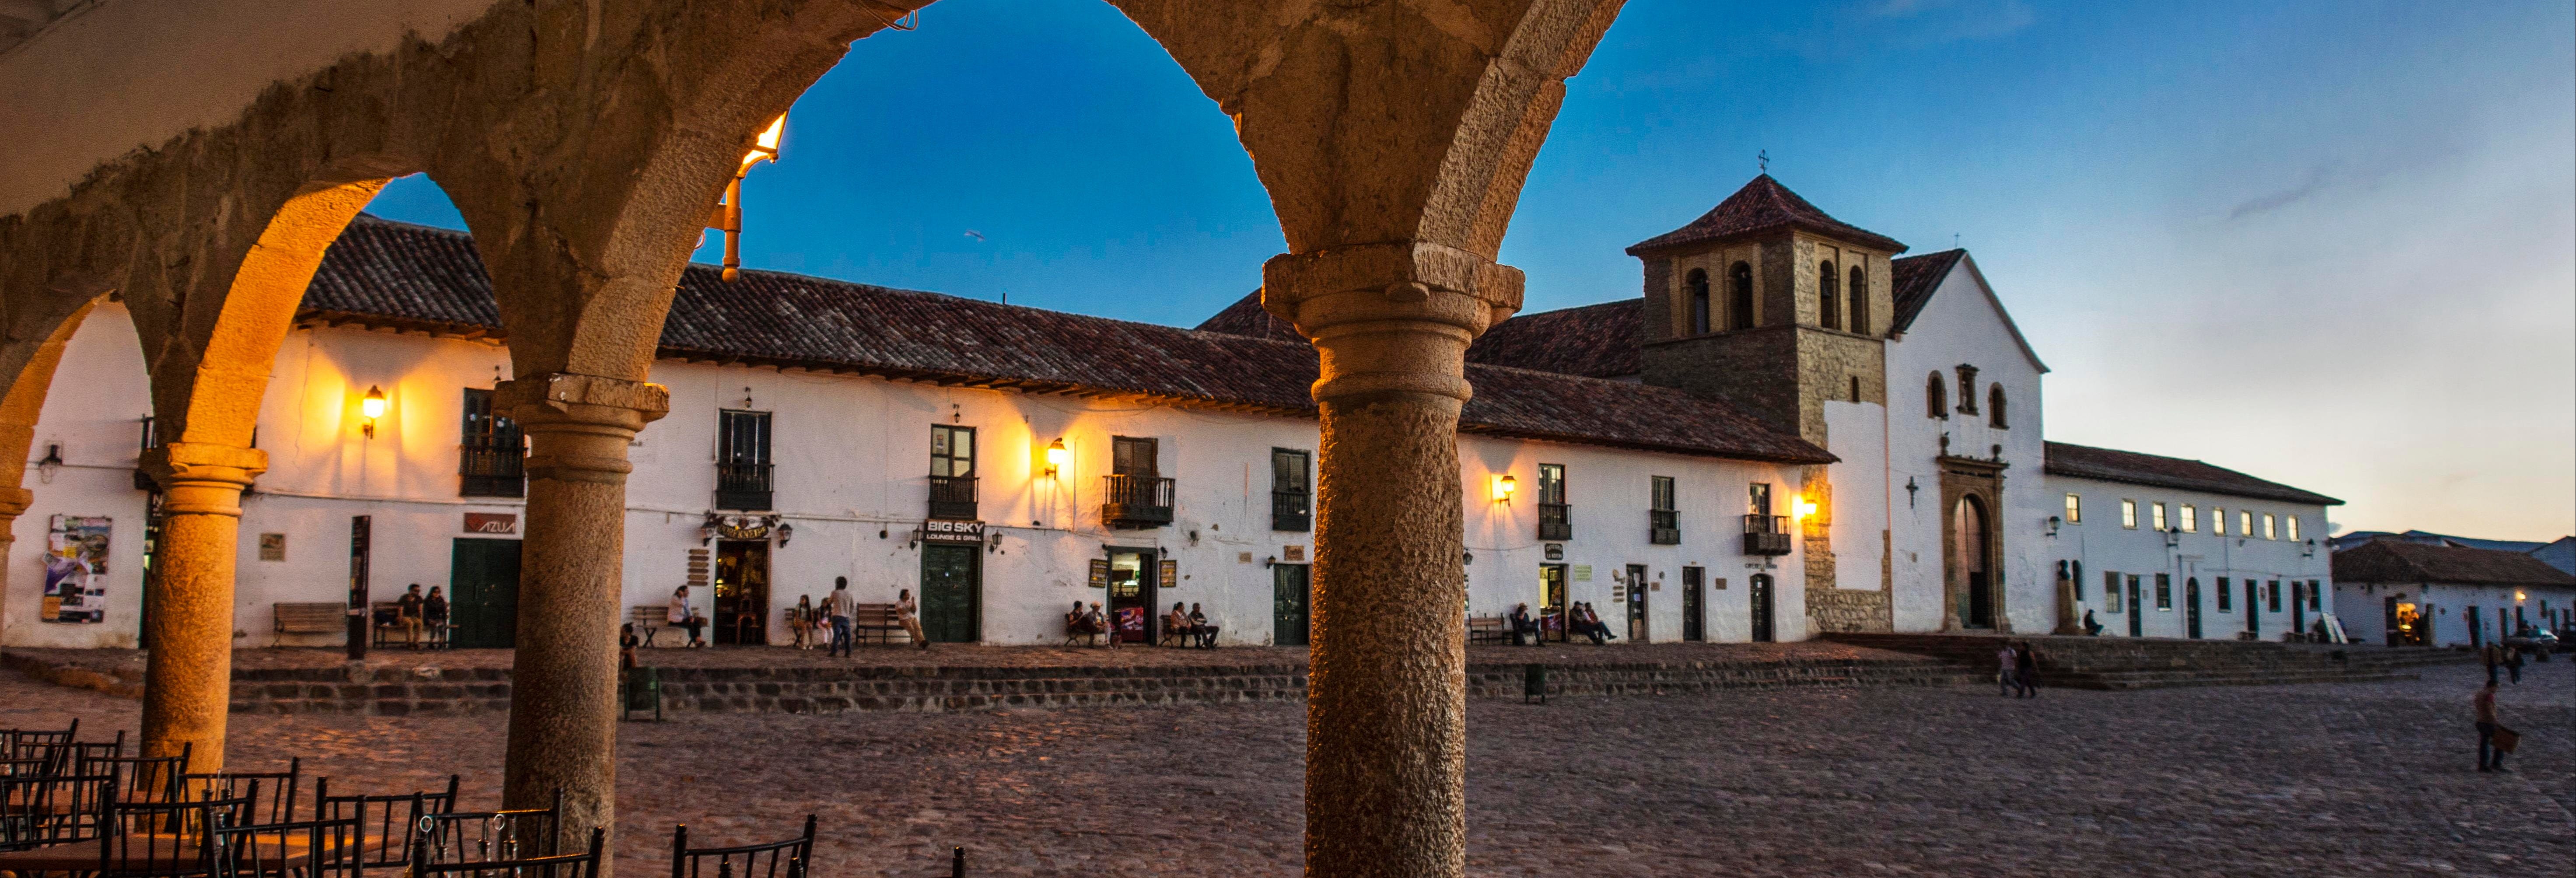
[951, 611]
[483, 594]
[1289, 604]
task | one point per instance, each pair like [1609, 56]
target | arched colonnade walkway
[584, 145]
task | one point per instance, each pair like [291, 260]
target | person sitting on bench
[1524, 628]
[1199, 626]
[684, 617]
[1591, 626]
[1177, 624]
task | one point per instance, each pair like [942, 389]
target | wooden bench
[649, 620]
[1488, 629]
[878, 620]
[1076, 629]
[311, 618]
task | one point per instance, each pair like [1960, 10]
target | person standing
[837, 608]
[433, 613]
[2026, 670]
[408, 610]
[681, 616]
[2008, 665]
[800, 622]
[2513, 663]
[2491, 655]
[907, 612]
[2490, 757]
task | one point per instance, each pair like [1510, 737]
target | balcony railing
[952, 497]
[1291, 510]
[1555, 521]
[1664, 527]
[1766, 535]
[492, 471]
[743, 486]
[1136, 501]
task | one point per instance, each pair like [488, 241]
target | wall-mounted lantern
[1056, 455]
[52, 463]
[1504, 485]
[1806, 508]
[372, 406]
[2053, 523]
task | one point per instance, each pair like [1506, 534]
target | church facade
[1794, 429]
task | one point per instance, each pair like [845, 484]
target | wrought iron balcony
[1555, 521]
[1664, 527]
[743, 486]
[1136, 501]
[492, 470]
[952, 497]
[1766, 535]
[1291, 510]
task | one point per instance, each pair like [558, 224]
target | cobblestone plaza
[2347, 779]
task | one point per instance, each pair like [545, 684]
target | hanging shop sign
[76, 570]
[745, 527]
[952, 532]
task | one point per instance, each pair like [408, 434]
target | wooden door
[952, 605]
[1289, 608]
[2137, 613]
[1694, 603]
[1552, 603]
[483, 594]
[742, 593]
[1638, 629]
[1759, 589]
[2191, 606]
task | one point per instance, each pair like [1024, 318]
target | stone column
[13, 503]
[1386, 703]
[563, 698]
[188, 673]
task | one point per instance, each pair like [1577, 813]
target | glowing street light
[372, 406]
[728, 213]
[1056, 456]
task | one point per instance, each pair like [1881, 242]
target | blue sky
[2332, 244]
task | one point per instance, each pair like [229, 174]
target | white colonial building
[1791, 431]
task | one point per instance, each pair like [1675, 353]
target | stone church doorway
[1972, 553]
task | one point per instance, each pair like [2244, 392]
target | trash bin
[1534, 684]
[643, 692]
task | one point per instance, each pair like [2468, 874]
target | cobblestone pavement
[2348, 779]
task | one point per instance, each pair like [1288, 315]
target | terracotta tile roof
[2108, 465]
[1915, 279]
[1246, 317]
[2402, 561]
[394, 274]
[1594, 341]
[1762, 206]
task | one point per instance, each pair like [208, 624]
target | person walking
[2513, 663]
[907, 612]
[409, 610]
[2008, 663]
[837, 608]
[2490, 756]
[2026, 670]
[2491, 655]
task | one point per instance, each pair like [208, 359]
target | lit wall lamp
[2519, 595]
[728, 213]
[372, 406]
[1806, 508]
[1504, 485]
[1055, 457]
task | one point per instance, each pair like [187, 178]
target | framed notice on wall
[76, 570]
[1171, 574]
[1099, 573]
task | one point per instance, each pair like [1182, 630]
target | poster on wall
[76, 570]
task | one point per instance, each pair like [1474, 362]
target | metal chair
[141, 778]
[279, 805]
[28, 738]
[40, 811]
[580, 865]
[792, 858]
[170, 839]
[478, 836]
[310, 849]
[393, 821]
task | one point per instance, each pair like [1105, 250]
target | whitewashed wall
[2363, 608]
[2104, 546]
[851, 459]
[1963, 324]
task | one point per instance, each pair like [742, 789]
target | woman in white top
[687, 618]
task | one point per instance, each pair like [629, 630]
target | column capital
[201, 478]
[1391, 317]
[579, 425]
[14, 502]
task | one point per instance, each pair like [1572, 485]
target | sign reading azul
[941, 531]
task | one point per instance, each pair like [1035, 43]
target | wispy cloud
[2318, 178]
[1944, 21]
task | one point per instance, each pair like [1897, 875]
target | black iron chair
[140, 778]
[310, 849]
[393, 822]
[40, 811]
[577, 865]
[32, 766]
[792, 858]
[20, 739]
[278, 806]
[478, 836]
[170, 839]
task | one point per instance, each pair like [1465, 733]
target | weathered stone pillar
[563, 698]
[13, 503]
[1387, 704]
[187, 678]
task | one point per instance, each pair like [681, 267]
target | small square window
[2164, 591]
[2244, 523]
[2111, 591]
[2129, 514]
[2218, 520]
[2074, 509]
[2293, 523]
[2267, 525]
[2190, 519]
[2160, 516]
